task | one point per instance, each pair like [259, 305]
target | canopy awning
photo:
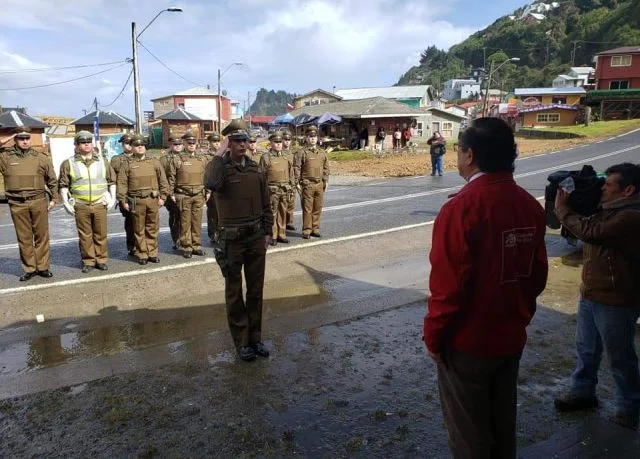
[328, 118]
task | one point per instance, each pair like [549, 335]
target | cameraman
[610, 294]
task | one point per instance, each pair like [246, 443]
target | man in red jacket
[488, 265]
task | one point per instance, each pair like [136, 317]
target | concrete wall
[567, 118]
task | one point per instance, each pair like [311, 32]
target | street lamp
[485, 102]
[136, 80]
[220, 75]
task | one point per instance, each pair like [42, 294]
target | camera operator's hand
[562, 198]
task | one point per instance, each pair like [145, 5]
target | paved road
[350, 210]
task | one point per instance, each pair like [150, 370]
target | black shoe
[142, 261]
[26, 276]
[247, 353]
[260, 349]
[132, 253]
[174, 247]
[291, 227]
[86, 268]
[199, 252]
[625, 420]
[273, 242]
[187, 255]
[154, 259]
[569, 402]
[46, 273]
[316, 234]
[284, 240]
[102, 266]
[306, 236]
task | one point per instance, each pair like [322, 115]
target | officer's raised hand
[223, 147]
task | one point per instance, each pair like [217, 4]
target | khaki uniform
[90, 214]
[172, 208]
[27, 174]
[278, 169]
[116, 165]
[292, 202]
[244, 213]
[311, 167]
[141, 182]
[186, 182]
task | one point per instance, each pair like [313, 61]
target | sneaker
[260, 349]
[569, 402]
[246, 353]
[625, 420]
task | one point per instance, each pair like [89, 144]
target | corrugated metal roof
[622, 49]
[359, 108]
[540, 108]
[391, 92]
[179, 114]
[582, 70]
[104, 118]
[13, 118]
[444, 112]
[197, 91]
[545, 91]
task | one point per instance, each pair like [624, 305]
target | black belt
[25, 198]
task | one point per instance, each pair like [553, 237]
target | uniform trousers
[31, 221]
[479, 400]
[174, 220]
[146, 224]
[290, 208]
[212, 217]
[128, 228]
[279, 198]
[91, 222]
[245, 317]
[190, 212]
[312, 198]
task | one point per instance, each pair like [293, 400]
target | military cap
[82, 135]
[237, 130]
[21, 130]
[253, 138]
[126, 138]
[174, 138]
[275, 136]
[286, 135]
[189, 135]
[311, 129]
[214, 138]
[137, 140]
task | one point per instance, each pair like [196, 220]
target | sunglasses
[24, 137]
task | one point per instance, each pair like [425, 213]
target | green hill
[271, 102]
[545, 47]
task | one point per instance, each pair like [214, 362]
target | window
[559, 100]
[447, 129]
[548, 118]
[208, 127]
[619, 84]
[621, 61]
[419, 129]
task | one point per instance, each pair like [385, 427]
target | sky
[293, 45]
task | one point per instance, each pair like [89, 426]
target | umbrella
[303, 118]
[328, 118]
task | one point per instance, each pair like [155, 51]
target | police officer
[245, 221]
[212, 213]
[27, 175]
[311, 166]
[116, 164]
[288, 150]
[142, 189]
[186, 185]
[88, 178]
[214, 144]
[278, 168]
[177, 145]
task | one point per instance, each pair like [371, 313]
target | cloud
[295, 45]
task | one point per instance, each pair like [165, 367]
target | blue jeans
[436, 164]
[612, 328]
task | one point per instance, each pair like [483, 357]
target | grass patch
[598, 128]
[350, 155]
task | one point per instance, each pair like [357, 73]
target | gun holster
[221, 255]
[132, 204]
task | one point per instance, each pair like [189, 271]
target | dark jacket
[611, 270]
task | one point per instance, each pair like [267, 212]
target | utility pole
[484, 57]
[95, 103]
[573, 53]
[546, 56]
[136, 80]
[249, 107]
[219, 105]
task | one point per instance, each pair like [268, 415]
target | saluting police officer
[142, 189]
[278, 168]
[116, 164]
[245, 221]
[27, 174]
[289, 151]
[311, 167]
[186, 185]
[176, 146]
[87, 177]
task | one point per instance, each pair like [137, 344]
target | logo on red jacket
[518, 250]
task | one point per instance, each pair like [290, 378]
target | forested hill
[271, 102]
[544, 41]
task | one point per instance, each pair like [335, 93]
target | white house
[460, 89]
[577, 76]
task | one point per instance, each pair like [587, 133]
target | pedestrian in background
[31, 187]
[397, 138]
[380, 136]
[610, 294]
[488, 266]
[437, 149]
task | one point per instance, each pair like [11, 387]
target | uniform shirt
[302, 165]
[123, 178]
[265, 164]
[174, 166]
[42, 166]
[65, 170]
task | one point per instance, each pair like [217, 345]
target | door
[435, 127]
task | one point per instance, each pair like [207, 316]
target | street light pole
[485, 102]
[220, 75]
[136, 76]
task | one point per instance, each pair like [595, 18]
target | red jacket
[488, 266]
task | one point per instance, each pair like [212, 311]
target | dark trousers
[479, 398]
[128, 229]
[212, 217]
[245, 317]
[174, 220]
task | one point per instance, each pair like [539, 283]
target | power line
[62, 68]
[121, 91]
[167, 67]
[66, 81]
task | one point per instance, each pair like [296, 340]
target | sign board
[203, 108]
[61, 148]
